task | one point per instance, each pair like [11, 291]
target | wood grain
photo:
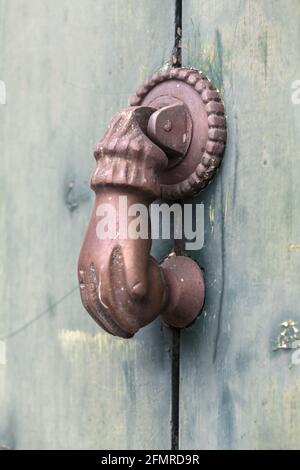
[68, 66]
[236, 392]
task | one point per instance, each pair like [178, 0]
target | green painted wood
[68, 66]
[236, 392]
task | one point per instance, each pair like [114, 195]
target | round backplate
[207, 130]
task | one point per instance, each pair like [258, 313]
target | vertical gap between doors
[177, 62]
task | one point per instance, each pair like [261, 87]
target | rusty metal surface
[203, 104]
[168, 145]
[171, 129]
[185, 283]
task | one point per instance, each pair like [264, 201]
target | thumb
[136, 263]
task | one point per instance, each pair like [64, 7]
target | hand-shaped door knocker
[168, 144]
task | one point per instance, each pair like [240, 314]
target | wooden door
[66, 66]
[235, 390]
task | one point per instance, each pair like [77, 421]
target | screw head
[168, 126]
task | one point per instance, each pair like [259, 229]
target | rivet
[168, 126]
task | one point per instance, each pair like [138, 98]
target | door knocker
[168, 144]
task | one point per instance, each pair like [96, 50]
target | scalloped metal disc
[208, 127]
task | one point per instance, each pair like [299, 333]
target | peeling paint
[71, 339]
[289, 334]
[289, 339]
[294, 247]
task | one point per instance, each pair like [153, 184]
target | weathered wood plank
[68, 66]
[236, 392]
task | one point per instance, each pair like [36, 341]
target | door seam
[175, 375]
